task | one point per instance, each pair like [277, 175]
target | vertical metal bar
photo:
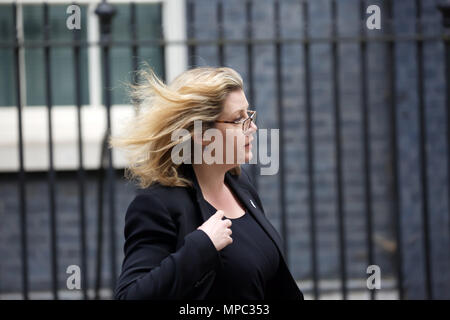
[447, 99]
[423, 156]
[366, 141]
[445, 10]
[22, 178]
[134, 37]
[81, 172]
[162, 45]
[111, 173]
[393, 150]
[191, 32]
[310, 152]
[106, 12]
[51, 171]
[251, 86]
[280, 107]
[100, 213]
[337, 142]
[220, 30]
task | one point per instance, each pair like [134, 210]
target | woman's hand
[218, 230]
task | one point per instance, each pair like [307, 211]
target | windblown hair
[196, 94]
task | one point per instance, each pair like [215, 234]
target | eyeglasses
[246, 123]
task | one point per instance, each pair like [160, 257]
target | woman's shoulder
[168, 196]
[158, 204]
[159, 189]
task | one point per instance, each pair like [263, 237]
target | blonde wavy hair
[196, 94]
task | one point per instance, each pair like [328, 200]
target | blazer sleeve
[151, 268]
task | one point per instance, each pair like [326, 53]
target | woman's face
[235, 109]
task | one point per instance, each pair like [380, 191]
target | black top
[249, 262]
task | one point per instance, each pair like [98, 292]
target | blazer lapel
[247, 199]
[242, 194]
[188, 172]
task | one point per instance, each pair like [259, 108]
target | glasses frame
[250, 118]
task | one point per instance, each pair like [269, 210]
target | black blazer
[166, 257]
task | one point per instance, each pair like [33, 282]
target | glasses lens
[247, 123]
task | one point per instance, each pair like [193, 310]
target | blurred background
[364, 135]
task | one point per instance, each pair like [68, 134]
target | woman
[197, 231]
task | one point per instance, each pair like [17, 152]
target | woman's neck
[211, 178]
